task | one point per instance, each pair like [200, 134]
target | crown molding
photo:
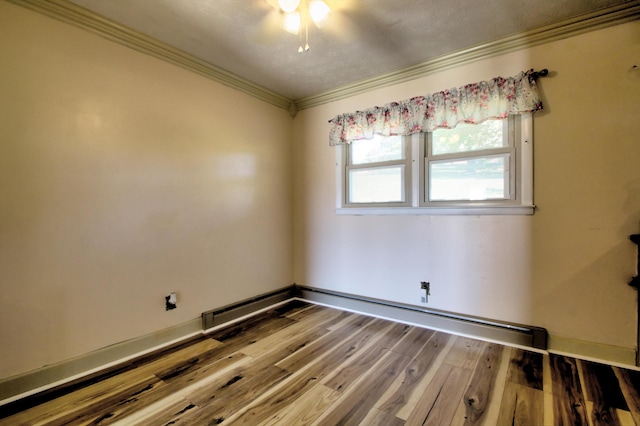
[603, 18]
[78, 16]
[65, 11]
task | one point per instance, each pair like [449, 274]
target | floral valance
[473, 103]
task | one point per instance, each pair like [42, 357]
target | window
[470, 169]
[377, 172]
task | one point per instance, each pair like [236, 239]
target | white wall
[566, 268]
[123, 178]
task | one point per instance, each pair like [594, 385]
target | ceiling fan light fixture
[319, 12]
[288, 6]
[291, 22]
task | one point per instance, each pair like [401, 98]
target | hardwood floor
[302, 364]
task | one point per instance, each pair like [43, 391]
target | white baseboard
[39, 380]
[598, 352]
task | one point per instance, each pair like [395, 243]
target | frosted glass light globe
[319, 11]
[288, 6]
[291, 23]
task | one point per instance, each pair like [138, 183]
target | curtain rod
[542, 73]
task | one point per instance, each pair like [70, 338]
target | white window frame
[416, 202]
[404, 163]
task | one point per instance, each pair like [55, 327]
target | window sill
[433, 211]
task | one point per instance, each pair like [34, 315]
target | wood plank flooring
[302, 364]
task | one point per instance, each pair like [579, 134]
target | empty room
[317, 212]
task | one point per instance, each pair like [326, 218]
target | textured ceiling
[361, 40]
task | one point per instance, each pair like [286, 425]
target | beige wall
[123, 178]
[566, 268]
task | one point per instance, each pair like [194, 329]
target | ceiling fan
[295, 16]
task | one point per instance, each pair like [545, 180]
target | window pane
[380, 148]
[469, 137]
[379, 185]
[482, 178]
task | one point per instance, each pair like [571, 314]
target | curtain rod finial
[542, 73]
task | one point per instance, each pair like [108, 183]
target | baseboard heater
[518, 334]
[234, 311]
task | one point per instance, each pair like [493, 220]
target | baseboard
[35, 384]
[86, 366]
[512, 334]
[58, 374]
[515, 334]
[591, 351]
[247, 307]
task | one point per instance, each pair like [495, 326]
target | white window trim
[525, 206]
[407, 177]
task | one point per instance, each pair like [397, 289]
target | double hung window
[378, 172]
[465, 150]
[481, 168]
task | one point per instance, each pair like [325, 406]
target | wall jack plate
[426, 287]
[171, 301]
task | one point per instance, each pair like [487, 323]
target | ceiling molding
[71, 13]
[589, 22]
[65, 11]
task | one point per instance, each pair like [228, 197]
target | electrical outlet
[425, 288]
[171, 301]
